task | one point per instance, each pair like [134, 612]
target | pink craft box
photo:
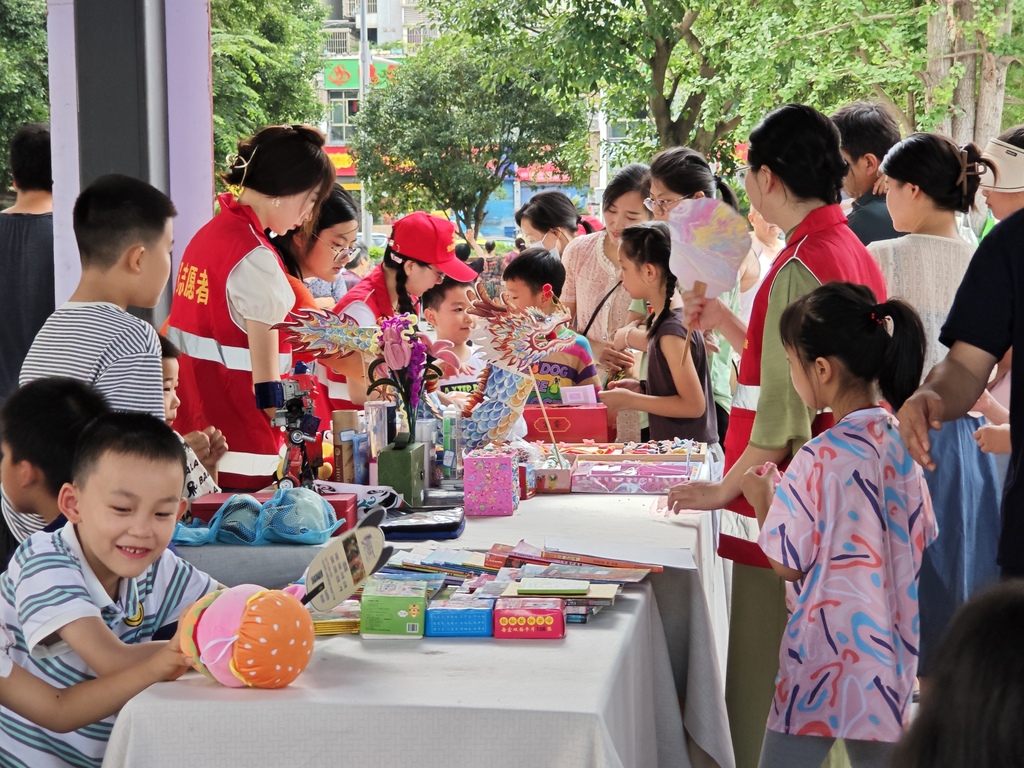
[491, 482]
[625, 476]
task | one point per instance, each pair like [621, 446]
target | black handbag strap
[600, 304]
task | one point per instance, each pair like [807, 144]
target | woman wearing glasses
[231, 290]
[323, 252]
[794, 179]
[420, 252]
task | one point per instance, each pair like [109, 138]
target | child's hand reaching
[758, 486]
[168, 663]
[620, 395]
[218, 447]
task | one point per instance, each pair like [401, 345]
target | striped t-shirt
[48, 585]
[101, 344]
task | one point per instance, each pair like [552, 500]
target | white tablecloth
[602, 697]
[692, 604]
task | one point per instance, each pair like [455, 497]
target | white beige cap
[1009, 167]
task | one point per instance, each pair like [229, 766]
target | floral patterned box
[491, 481]
[631, 477]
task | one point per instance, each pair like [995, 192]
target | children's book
[594, 573]
[553, 587]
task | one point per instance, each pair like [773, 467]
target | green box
[402, 469]
[393, 608]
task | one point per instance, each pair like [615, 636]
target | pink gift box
[631, 476]
[491, 482]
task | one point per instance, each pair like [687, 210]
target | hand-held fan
[710, 239]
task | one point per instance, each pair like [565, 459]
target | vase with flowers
[408, 363]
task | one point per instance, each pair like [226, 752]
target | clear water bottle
[451, 426]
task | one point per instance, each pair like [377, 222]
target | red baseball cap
[430, 240]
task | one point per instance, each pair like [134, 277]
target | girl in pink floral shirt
[846, 527]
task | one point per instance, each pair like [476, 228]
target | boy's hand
[199, 442]
[218, 446]
[168, 663]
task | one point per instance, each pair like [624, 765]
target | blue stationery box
[459, 618]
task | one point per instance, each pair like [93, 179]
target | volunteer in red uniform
[420, 252]
[794, 179]
[232, 288]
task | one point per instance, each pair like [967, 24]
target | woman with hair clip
[929, 179]
[794, 179]
[678, 174]
[420, 252]
[232, 289]
[549, 219]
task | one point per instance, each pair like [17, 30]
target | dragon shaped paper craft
[512, 339]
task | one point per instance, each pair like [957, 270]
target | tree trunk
[964, 94]
[939, 49]
[992, 86]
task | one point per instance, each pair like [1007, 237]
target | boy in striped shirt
[123, 229]
[85, 601]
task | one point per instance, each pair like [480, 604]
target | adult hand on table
[921, 412]
[697, 496]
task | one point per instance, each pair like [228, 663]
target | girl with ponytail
[846, 528]
[677, 394]
[929, 181]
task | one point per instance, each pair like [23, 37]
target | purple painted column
[189, 119]
[189, 129]
[60, 32]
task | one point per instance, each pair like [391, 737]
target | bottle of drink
[450, 429]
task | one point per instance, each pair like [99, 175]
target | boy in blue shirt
[84, 601]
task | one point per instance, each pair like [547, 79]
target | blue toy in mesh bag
[291, 516]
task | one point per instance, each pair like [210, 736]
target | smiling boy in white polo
[84, 601]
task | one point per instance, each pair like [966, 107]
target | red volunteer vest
[372, 290]
[215, 377]
[827, 247]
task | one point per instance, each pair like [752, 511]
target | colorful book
[554, 586]
[596, 573]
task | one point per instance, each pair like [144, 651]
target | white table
[697, 636]
[600, 698]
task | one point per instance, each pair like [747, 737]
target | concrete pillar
[130, 85]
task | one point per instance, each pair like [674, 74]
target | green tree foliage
[444, 134]
[266, 55]
[698, 72]
[24, 88]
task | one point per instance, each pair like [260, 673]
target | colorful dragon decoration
[512, 338]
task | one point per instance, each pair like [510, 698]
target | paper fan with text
[709, 242]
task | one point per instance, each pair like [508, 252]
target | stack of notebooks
[341, 620]
[582, 599]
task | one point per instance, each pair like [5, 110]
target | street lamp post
[364, 89]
